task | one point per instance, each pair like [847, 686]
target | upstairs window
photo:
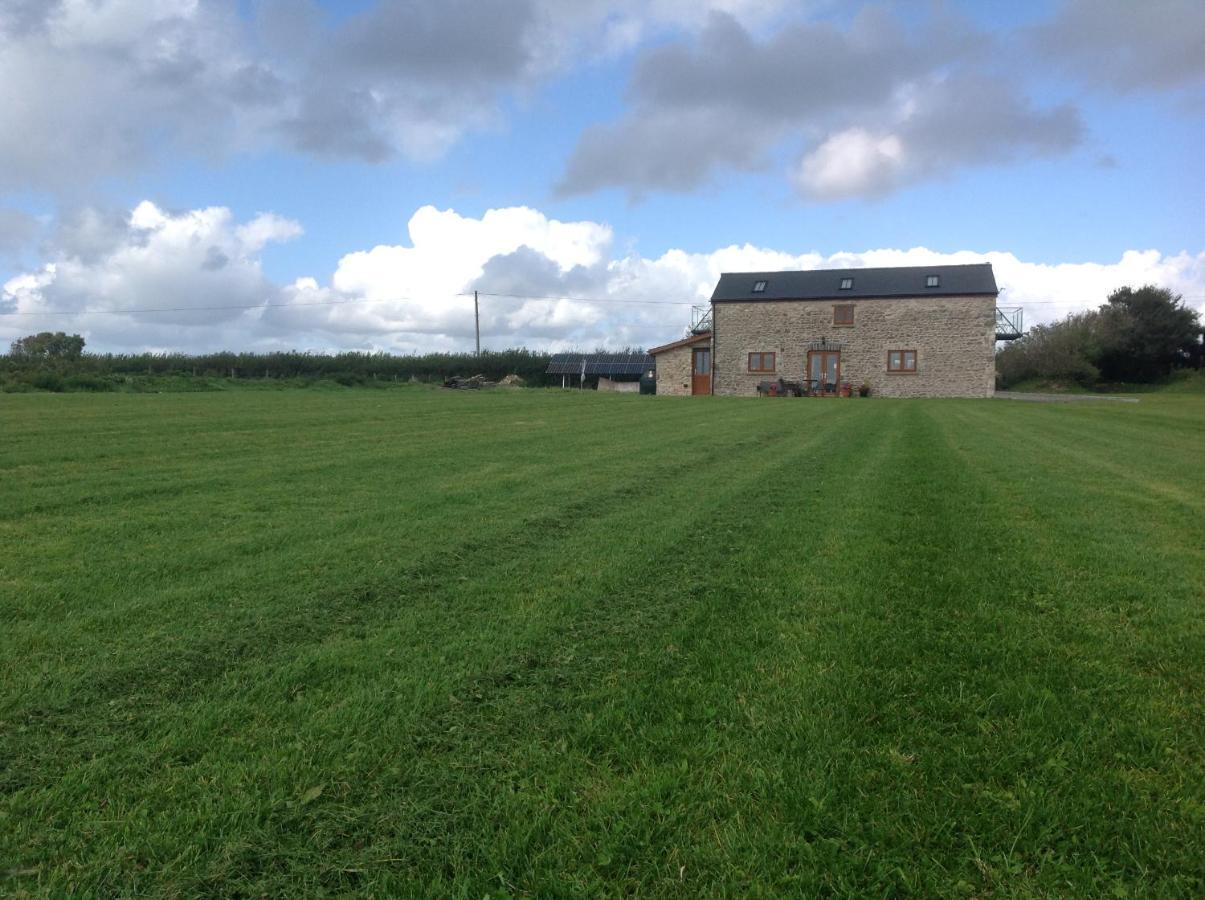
[843, 315]
[933, 281]
[901, 362]
[759, 287]
[847, 284]
[761, 362]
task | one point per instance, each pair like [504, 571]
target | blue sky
[344, 158]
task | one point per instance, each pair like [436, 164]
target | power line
[590, 299]
[1007, 302]
[157, 309]
[705, 301]
[226, 308]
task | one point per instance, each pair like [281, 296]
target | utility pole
[477, 322]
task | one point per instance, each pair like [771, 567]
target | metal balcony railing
[1010, 323]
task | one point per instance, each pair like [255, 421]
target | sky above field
[289, 174]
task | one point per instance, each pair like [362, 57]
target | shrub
[1061, 351]
[47, 381]
[87, 383]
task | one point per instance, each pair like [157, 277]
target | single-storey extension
[907, 331]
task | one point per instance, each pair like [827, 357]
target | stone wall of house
[673, 371]
[954, 339]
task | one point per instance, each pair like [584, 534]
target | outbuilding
[620, 372]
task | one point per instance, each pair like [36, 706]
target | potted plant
[864, 390]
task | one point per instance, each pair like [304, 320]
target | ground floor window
[761, 362]
[901, 361]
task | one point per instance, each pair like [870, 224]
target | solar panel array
[601, 364]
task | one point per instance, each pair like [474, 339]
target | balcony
[1009, 323]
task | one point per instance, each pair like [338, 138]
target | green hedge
[109, 371]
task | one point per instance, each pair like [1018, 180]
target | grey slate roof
[823, 284]
[601, 364]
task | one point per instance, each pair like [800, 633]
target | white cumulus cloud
[545, 284]
[851, 162]
[187, 263]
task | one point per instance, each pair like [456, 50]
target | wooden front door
[700, 370]
[824, 371]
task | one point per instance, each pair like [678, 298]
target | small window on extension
[759, 287]
[847, 284]
[933, 281]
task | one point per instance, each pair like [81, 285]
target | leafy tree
[49, 345]
[1145, 334]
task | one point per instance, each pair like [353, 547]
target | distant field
[414, 642]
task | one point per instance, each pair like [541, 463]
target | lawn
[544, 643]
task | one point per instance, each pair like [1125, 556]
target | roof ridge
[856, 269]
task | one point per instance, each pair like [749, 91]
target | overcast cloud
[1127, 46]
[878, 105]
[17, 233]
[96, 88]
[948, 124]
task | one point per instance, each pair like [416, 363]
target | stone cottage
[909, 331]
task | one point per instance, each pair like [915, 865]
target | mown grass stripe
[762, 647]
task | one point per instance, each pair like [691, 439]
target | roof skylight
[933, 281]
[847, 284]
[759, 287]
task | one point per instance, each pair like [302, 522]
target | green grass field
[413, 642]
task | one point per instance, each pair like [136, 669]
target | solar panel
[600, 364]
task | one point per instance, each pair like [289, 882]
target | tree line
[1137, 336]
